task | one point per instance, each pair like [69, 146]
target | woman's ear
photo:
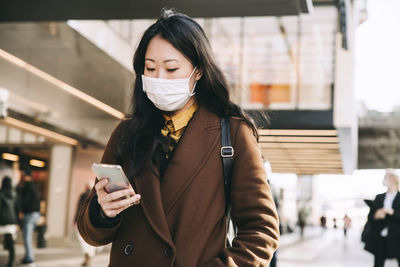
[198, 73]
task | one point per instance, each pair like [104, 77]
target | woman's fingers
[114, 203]
[119, 194]
[112, 209]
[120, 204]
[100, 186]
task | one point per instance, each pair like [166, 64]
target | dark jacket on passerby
[376, 226]
[8, 204]
[28, 197]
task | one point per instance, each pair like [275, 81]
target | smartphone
[116, 177]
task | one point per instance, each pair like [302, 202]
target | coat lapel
[192, 152]
[148, 186]
[396, 201]
[201, 135]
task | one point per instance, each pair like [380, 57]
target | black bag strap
[227, 153]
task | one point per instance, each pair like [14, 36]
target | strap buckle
[227, 151]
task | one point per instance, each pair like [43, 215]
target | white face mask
[168, 94]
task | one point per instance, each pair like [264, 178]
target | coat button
[168, 252]
[128, 249]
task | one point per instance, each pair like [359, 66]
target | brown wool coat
[180, 221]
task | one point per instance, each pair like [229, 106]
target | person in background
[334, 223]
[322, 220]
[384, 217]
[88, 250]
[346, 224]
[29, 205]
[302, 215]
[8, 217]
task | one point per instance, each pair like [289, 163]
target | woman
[8, 217]
[384, 219]
[170, 150]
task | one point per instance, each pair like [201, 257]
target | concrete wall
[80, 176]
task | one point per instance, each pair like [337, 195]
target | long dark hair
[142, 138]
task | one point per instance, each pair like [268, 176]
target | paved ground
[316, 249]
[328, 249]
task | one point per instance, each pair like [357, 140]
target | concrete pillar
[59, 181]
[345, 115]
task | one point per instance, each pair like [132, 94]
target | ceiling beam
[61, 10]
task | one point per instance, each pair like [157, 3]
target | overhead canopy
[56, 10]
[302, 151]
[54, 76]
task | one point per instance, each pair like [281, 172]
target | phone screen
[116, 177]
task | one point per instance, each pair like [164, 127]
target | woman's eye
[172, 70]
[150, 69]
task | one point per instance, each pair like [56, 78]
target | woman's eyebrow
[165, 61]
[172, 59]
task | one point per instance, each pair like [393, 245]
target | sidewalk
[57, 256]
[327, 249]
[316, 249]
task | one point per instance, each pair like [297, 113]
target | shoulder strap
[227, 153]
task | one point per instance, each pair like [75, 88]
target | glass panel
[278, 62]
[270, 62]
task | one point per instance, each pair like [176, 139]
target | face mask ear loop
[194, 86]
[192, 72]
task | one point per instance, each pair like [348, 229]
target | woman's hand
[114, 203]
[380, 214]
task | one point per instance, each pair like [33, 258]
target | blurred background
[326, 71]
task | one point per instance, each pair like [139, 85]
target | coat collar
[201, 135]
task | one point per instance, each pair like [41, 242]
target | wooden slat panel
[271, 151]
[299, 145]
[308, 164]
[302, 151]
[308, 171]
[305, 162]
[299, 139]
[298, 132]
[304, 157]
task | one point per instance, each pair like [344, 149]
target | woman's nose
[160, 74]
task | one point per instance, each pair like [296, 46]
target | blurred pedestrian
[334, 223]
[29, 205]
[8, 217]
[302, 215]
[383, 237]
[88, 250]
[170, 148]
[346, 224]
[322, 221]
